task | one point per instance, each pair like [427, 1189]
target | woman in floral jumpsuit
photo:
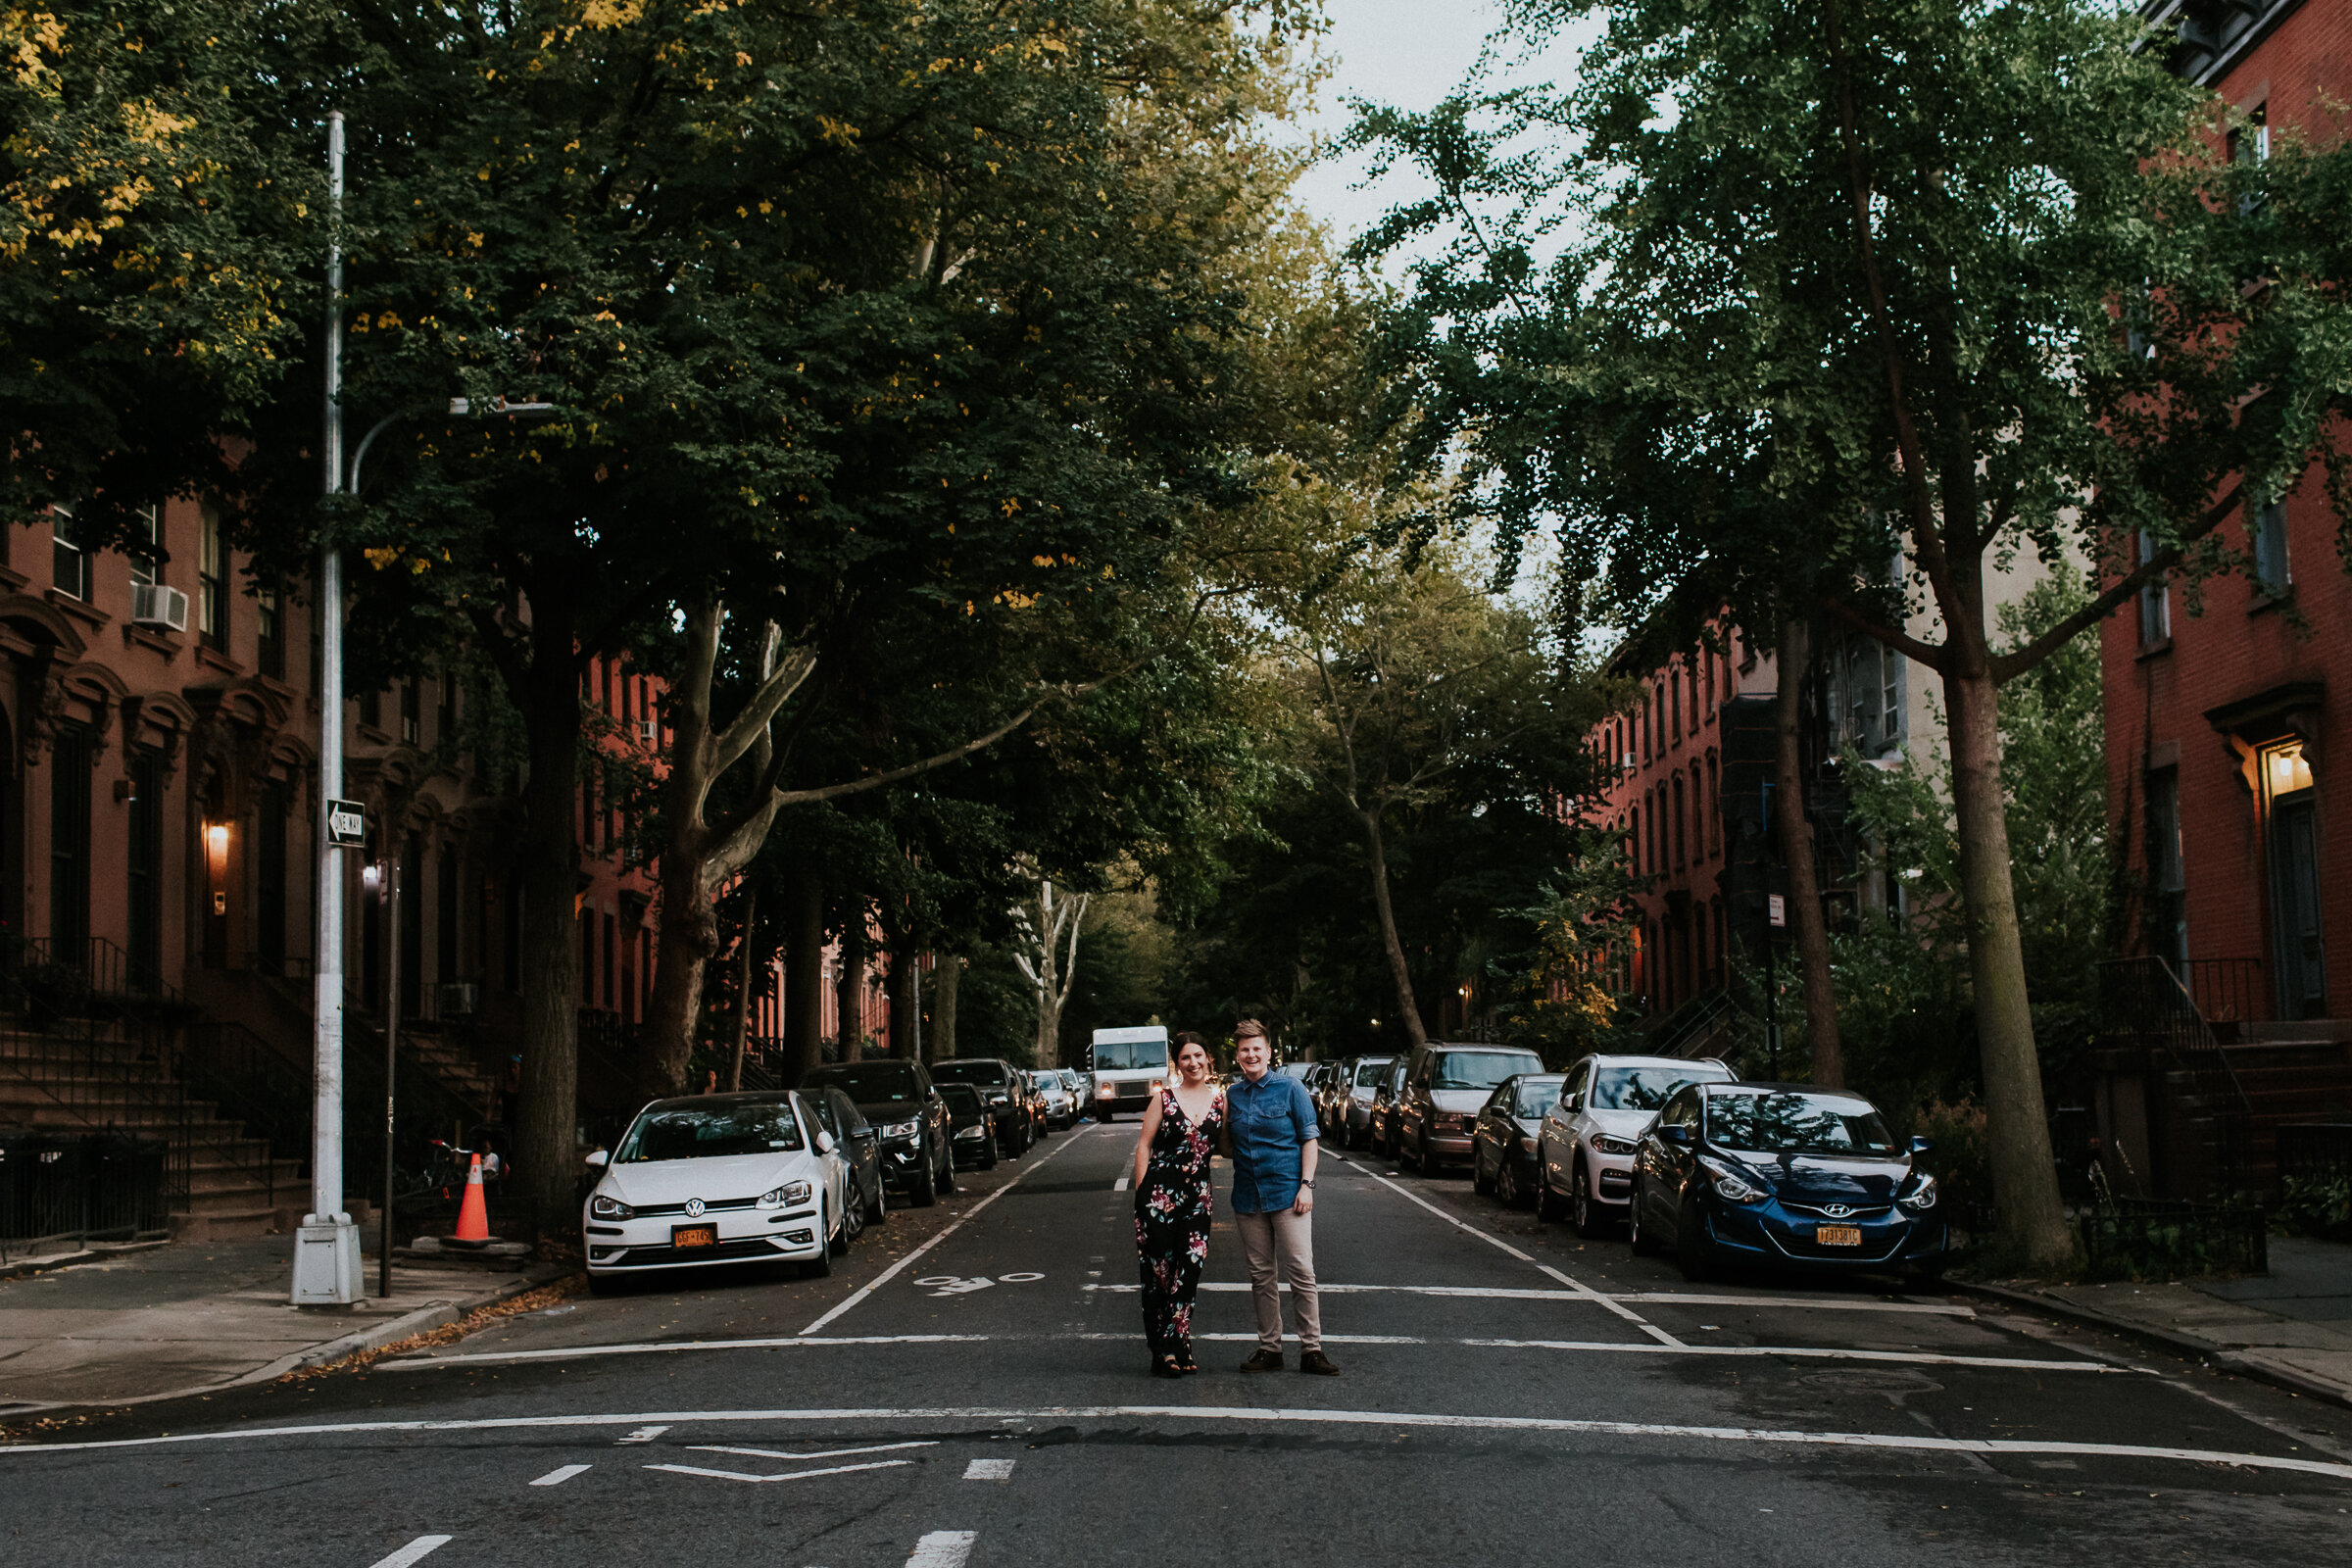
[1173, 1203]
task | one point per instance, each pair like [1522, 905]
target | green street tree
[1946, 282]
[152, 246]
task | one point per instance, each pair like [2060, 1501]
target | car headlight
[1603, 1144]
[1106, 1092]
[998, 1100]
[902, 1129]
[1730, 1184]
[603, 1208]
[1527, 1145]
[1922, 1196]
[789, 1193]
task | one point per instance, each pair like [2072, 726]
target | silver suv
[1585, 1151]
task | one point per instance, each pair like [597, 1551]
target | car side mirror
[865, 1135]
[597, 1160]
[1923, 1145]
[824, 1142]
[1676, 1134]
[1573, 1104]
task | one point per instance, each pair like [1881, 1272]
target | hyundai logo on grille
[1833, 1210]
[693, 1209]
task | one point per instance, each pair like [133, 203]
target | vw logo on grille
[693, 1209]
[1833, 1210]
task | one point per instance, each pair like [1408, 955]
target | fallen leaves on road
[480, 1317]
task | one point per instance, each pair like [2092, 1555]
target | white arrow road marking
[989, 1470]
[643, 1434]
[965, 1287]
[795, 1475]
[822, 1453]
[556, 1478]
[418, 1550]
[944, 1548]
[968, 1215]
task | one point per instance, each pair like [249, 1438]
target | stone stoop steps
[2291, 1080]
[234, 1189]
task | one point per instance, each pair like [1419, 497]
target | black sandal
[1188, 1366]
[1165, 1367]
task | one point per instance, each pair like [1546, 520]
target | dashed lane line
[560, 1474]
[989, 1470]
[966, 1218]
[942, 1548]
[415, 1552]
[1243, 1415]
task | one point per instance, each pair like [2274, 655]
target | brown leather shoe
[1319, 1363]
[1263, 1361]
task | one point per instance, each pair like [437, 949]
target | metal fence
[2321, 1148]
[2149, 1239]
[2143, 1001]
[78, 1186]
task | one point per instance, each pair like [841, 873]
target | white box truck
[1127, 1066]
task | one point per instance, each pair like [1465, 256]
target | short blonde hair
[1247, 1027]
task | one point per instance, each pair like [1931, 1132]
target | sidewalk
[2293, 1326]
[195, 1316]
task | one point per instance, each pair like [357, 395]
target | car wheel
[1692, 1248]
[1643, 1246]
[879, 1205]
[989, 1157]
[1547, 1201]
[853, 1218]
[922, 1189]
[947, 1168]
[1506, 1184]
[819, 1266]
[1588, 1213]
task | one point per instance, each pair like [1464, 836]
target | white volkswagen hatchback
[714, 1179]
[1584, 1149]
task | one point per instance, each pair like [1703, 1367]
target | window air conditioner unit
[152, 604]
[649, 732]
[461, 999]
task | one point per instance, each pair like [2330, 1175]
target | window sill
[77, 609]
[218, 660]
[2161, 645]
[14, 581]
[2263, 600]
[164, 643]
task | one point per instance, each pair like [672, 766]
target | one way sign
[346, 825]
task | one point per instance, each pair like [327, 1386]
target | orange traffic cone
[473, 1220]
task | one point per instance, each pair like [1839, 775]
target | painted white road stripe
[644, 1435]
[966, 1218]
[1514, 1293]
[416, 1551]
[648, 1347]
[559, 1475]
[1809, 1304]
[942, 1548]
[822, 1453]
[989, 1470]
[1562, 1426]
[1120, 1185]
[793, 1475]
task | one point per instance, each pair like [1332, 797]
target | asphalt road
[970, 1388]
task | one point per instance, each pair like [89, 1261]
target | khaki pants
[1287, 1238]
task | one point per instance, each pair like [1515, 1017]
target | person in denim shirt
[1271, 1135]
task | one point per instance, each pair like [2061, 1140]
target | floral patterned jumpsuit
[1172, 1208]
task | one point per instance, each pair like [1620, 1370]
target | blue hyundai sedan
[1784, 1177]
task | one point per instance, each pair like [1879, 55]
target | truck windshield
[1115, 1055]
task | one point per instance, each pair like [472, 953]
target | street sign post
[1777, 908]
[346, 825]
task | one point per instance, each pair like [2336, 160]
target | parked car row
[1684, 1156]
[797, 1175]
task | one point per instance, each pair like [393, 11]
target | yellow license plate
[707, 1235]
[1838, 1234]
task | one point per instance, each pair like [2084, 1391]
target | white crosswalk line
[423, 1547]
[556, 1477]
[989, 1470]
[944, 1548]
[1120, 1185]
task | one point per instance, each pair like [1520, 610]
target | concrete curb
[2229, 1359]
[88, 1255]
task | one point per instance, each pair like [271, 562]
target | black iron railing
[2156, 1238]
[2143, 1000]
[2315, 1148]
[68, 1188]
[1690, 1029]
[2226, 991]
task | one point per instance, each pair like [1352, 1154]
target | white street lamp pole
[327, 1249]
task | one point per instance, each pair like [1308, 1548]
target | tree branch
[1902, 642]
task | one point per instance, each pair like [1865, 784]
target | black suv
[1009, 1094]
[898, 1099]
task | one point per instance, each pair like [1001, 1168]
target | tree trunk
[850, 987]
[1805, 915]
[687, 937]
[549, 866]
[940, 1043]
[2025, 1176]
[906, 1001]
[743, 985]
[1376, 851]
[803, 973]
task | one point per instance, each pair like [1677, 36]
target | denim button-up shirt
[1272, 1120]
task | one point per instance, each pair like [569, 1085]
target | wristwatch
[1303, 1183]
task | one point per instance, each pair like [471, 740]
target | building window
[276, 813]
[2155, 601]
[70, 760]
[2168, 900]
[1674, 704]
[147, 552]
[446, 883]
[269, 628]
[1714, 805]
[372, 710]
[70, 568]
[412, 719]
[2272, 575]
[445, 722]
[1681, 839]
[145, 869]
[212, 585]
